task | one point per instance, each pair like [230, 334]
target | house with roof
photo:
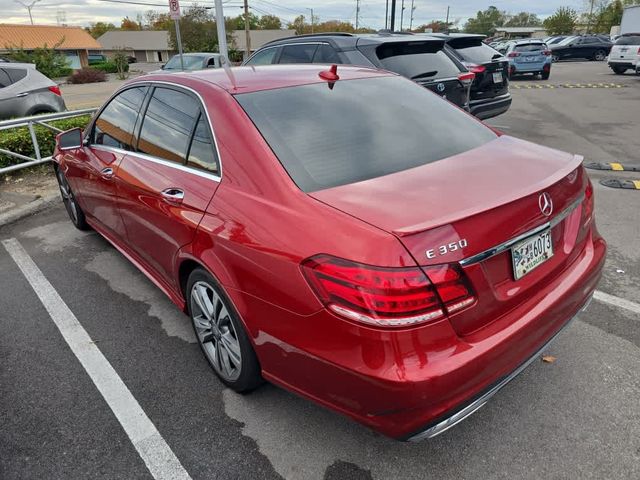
[144, 45]
[73, 42]
[521, 32]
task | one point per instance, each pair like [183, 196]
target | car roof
[346, 40]
[265, 77]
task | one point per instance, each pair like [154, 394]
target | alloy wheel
[600, 56]
[67, 197]
[216, 331]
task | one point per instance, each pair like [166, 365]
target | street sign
[174, 9]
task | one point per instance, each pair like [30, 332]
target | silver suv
[24, 91]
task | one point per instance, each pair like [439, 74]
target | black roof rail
[320, 34]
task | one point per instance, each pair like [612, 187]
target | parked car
[95, 58]
[625, 54]
[340, 231]
[554, 40]
[425, 60]
[529, 56]
[25, 91]
[191, 61]
[489, 94]
[590, 47]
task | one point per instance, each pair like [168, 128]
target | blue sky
[372, 12]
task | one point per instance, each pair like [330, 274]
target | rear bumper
[417, 382]
[528, 67]
[630, 64]
[490, 107]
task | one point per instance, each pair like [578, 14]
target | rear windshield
[529, 47]
[191, 62]
[417, 59]
[473, 50]
[328, 135]
[630, 40]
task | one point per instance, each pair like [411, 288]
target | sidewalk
[25, 193]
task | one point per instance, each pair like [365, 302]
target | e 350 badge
[447, 248]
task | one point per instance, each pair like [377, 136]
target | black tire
[619, 70]
[228, 325]
[555, 58]
[600, 55]
[76, 215]
[545, 75]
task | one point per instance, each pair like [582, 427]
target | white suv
[625, 54]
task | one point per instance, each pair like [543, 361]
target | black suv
[490, 89]
[590, 47]
[425, 60]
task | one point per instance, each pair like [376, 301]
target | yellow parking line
[616, 166]
[636, 183]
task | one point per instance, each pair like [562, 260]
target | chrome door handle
[107, 173]
[23, 94]
[174, 195]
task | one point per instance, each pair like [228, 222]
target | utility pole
[392, 27]
[311, 10]
[386, 16]
[590, 17]
[447, 21]
[411, 18]
[401, 14]
[247, 33]
[222, 33]
[28, 6]
[357, 13]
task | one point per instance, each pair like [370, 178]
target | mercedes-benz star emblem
[440, 87]
[546, 204]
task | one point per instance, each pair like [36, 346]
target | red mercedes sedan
[343, 233]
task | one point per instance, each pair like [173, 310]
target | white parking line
[617, 301]
[154, 451]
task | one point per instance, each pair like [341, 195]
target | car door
[94, 169]
[588, 47]
[13, 94]
[165, 186]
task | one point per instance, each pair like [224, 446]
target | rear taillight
[466, 77]
[546, 53]
[588, 204]
[387, 297]
[475, 68]
[638, 50]
[55, 89]
[513, 54]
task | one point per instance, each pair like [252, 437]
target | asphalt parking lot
[578, 417]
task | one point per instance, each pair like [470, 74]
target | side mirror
[70, 140]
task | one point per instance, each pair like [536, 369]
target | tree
[197, 29]
[562, 22]
[99, 28]
[237, 23]
[128, 24]
[523, 19]
[269, 22]
[299, 25]
[157, 21]
[486, 22]
[437, 26]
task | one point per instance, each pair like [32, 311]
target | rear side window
[16, 74]
[417, 60]
[114, 126]
[168, 125]
[326, 54]
[265, 57]
[529, 47]
[327, 135]
[297, 53]
[5, 81]
[630, 40]
[202, 151]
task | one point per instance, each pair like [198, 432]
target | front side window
[168, 124]
[265, 57]
[297, 53]
[354, 130]
[114, 126]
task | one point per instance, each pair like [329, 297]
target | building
[258, 37]
[73, 42]
[144, 45]
[521, 32]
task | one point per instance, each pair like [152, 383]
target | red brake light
[588, 203]
[513, 54]
[475, 68]
[383, 296]
[546, 53]
[466, 77]
[55, 89]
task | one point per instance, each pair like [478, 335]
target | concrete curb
[30, 208]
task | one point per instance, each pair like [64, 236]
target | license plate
[497, 77]
[530, 253]
[623, 50]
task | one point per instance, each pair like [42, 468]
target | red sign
[174, 9]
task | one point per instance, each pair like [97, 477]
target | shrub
[87, 75]
[47, 60]
[120, 58]
[18, 140]
[108, 67]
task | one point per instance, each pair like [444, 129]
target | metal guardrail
[30, 122]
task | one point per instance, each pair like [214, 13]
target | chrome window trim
[490, 252]
[160, 161]
[151, 158]
[282, 45]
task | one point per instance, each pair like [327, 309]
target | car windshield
[629, 40]
[529, 47]
[473, 50]
[331, 134]
[566, 41]
[417, 60]
[191, 62]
